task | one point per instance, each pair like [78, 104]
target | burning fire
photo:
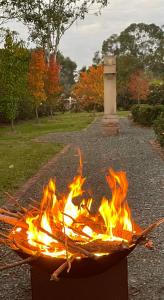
[62, 218]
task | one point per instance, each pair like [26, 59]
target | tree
[48, 21]
[53, 88]
[97, 59]
[156, 95]
[67, 73]
[138, 87]
[89, 90]
[139, 47]
[111, 45]
[13, 74]
[37, 71]
[144, 41]
[3, 17]
[126, 66]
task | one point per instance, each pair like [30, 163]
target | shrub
[145, 114]
[159, 128]
[135, 112]
[156, 95]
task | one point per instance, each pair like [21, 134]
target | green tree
[126, 66]
[13, 75]
[111, 45]
[67, 73]
[144, 41]
[140, 47]
[49, 20]
[156, 95]
[97, 59]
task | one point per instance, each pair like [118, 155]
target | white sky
[86, 37]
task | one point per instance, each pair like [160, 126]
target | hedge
[146, 114]
[159, 128]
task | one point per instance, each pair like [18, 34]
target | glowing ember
[112, 222]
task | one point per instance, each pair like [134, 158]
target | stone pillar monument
[110, 120]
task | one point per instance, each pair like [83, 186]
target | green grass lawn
[123, 113]
[21, 156]
[120, 113]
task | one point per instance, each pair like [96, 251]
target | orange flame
[112, 222]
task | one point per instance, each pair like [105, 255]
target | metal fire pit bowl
[81, 268]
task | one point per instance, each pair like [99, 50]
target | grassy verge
[123, 113]
[21, 157]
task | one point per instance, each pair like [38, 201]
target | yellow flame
[112, 222]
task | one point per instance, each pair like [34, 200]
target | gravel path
[131, 152]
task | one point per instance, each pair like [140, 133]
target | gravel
[129, 151]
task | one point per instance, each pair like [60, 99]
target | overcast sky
[86, 37]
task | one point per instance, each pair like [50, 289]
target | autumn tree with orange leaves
[138, 86]
[89, 90]
[36, 77]
[53, 88]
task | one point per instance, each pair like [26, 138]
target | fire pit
[97, 286]
[80, 268]
[62, 237]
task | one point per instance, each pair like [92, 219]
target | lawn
[21, 156]
[123, 113]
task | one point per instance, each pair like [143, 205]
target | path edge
[35, 178]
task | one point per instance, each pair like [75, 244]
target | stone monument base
[110, 125]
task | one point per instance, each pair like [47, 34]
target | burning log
[9, 213]
[71, 245]
[86, 249]
[99, 246]
[12, 221]
[60, 229]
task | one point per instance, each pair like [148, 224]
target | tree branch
[18, 263]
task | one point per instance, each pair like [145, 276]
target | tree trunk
[138, 99]
[36, 113]
[51, 112]
[94, 110]
[12, 124]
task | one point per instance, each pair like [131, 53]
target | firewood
[18, 263]
[99, 246]
[66, 245]
[142, 236]
[16, 202]
[35, 203]
[71, 245]
[57, 272]
[26, 250]
[5, 242]
[13, 221]
[34, 207]
[79, 232]
[9, 213]
[3, 235]
[64, 214]
[18, 240]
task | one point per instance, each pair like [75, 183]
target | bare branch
[56, 273]
[18, 263]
